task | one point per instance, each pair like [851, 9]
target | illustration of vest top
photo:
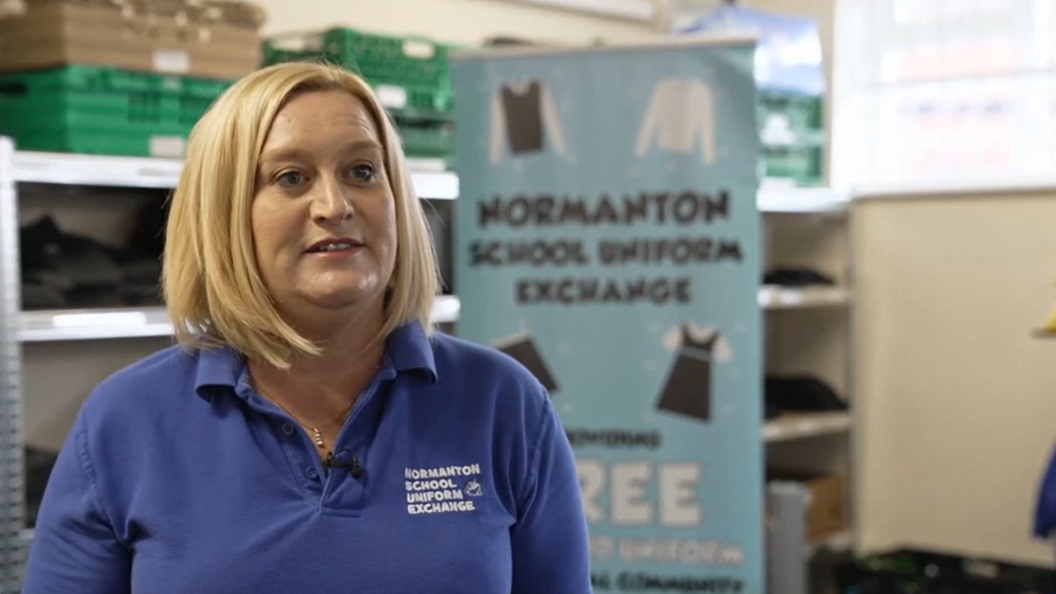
[524, 121]
[688, 388]
[680, 119]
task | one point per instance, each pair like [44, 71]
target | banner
[607, 237]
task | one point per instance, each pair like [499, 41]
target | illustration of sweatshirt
[680, 119]
[524, 120]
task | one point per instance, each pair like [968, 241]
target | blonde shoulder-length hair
[211, 280]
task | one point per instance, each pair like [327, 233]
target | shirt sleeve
[74, 546]
[550, 543]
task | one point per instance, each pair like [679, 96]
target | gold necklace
[317, 434]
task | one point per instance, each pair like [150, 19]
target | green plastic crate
[411, 75]
[102, 110]
[427, 140]
[800, 115]
[802, 164]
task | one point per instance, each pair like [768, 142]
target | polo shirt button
[311, 472]
[287, 428]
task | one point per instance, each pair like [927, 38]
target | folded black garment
[147, 238]
[37, 295]
[802, 394]
[796, 277]
[770, 412]
[86, 297]
[138, 269]
[71, 260]
[64, 270]
[141, 295]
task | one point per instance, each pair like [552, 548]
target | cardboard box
[172, 38]
[828, 509]
[828, 512]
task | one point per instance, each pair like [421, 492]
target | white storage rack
[827, 206]
[808, 227]
[18, 328]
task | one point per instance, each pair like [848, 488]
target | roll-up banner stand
[607, 237]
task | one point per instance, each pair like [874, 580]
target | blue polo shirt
[179, 478]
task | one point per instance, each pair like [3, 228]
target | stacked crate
[410, 75]
[120, 77]
[791, 127]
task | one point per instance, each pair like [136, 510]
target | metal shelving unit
[97, 324]
[12, 546]
[149, 172]
[21, 327]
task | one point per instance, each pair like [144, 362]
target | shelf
[99, 324]
[804, 425]
[435, 185]
[96, 170]
[446, 309]
[775, 297]
[778, 199]
[149, 172]
[93, 324]
[841, 542]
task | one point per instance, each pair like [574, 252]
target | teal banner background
[607, 236]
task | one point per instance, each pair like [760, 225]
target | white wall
[959, 400]
[452, 21]
[957, 403]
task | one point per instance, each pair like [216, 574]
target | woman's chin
[345, 298]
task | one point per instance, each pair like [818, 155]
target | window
[944, 92]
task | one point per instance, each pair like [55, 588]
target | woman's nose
[332, 201]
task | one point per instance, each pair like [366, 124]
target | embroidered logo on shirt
[473, 489]
[435, 491]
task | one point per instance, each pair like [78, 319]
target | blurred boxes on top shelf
[120, 77]
[204, 38]
[411, 76]
[791, 87]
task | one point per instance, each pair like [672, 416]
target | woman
[309, 435]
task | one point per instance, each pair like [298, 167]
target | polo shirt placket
[335, 490]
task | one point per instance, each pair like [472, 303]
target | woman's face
[323, 214]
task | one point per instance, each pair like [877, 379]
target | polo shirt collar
[411, 350]
[408, 349]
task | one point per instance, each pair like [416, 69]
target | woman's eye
[291, 178]
[364, 172]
